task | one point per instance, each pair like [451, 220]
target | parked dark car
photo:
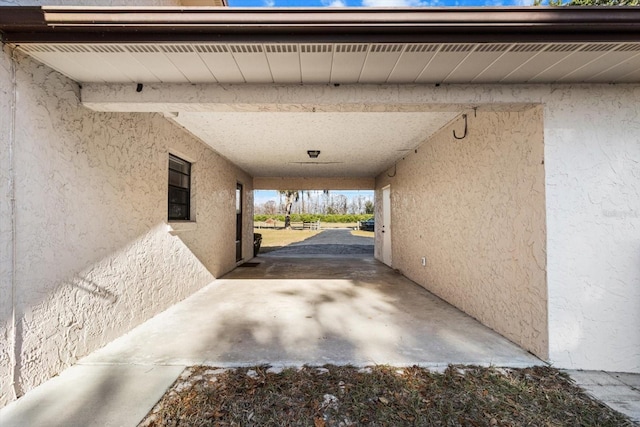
[367, 225]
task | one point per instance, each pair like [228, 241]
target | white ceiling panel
[444, 62]
[220, 62]
[123, 61]
[598, 65]
[586, 54]
[348, 60]
[505, 64]
[619, 71]
[83, 63]
[252, 62]
[544, 60]
[632, 77]
[157, 62]
[480, 59]
[316, 61]
[379, 63]
[187, 60]
[412, 62]
[60, 62]
[284, 62]
[324, 63]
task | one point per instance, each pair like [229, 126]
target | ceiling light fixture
[313, 153]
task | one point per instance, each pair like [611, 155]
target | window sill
[174, 227]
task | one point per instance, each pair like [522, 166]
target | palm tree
[291, 196]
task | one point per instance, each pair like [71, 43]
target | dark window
[179, 188]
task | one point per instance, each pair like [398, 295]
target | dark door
[238, 222]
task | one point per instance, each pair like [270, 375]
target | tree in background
[290, 196]
[314, 202]
[369, 207]
[270, 208]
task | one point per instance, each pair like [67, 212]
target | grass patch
[378, 396]
[276, 239]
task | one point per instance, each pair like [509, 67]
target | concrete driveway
[283, 311]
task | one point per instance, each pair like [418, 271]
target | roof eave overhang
[47, 24]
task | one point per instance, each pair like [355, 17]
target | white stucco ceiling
[355, 144]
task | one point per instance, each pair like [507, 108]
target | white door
[386, 225]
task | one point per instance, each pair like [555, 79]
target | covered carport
[458, 120]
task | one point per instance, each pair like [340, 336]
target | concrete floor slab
[614, 389]
[85, 395]
[589, 378]
[313, 311]
[632, 380]
[282, 312]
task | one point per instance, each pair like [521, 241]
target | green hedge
[314, 218]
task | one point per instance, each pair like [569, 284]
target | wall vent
[72, 48]
[561, 47]
[422, 47]
[598, 47]
[246, 48]
[142, 48]
[386, 48]
[629, 47]
[351, 48]
[528, 48]
[492, 47]
[107, 48]
[211, 48]
[176, 48]
[37, 48]
[316, 48]
[457, 48]
[281, 48]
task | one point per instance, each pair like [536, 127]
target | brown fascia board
[49, 24]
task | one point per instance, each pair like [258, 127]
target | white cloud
[334, 3]
[269, 3]
[399, 3]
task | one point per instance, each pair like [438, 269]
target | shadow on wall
[101, 302]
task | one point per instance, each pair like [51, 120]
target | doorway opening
[386, 225]
[315, 222]
[238, 222]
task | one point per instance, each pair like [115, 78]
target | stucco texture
[592, 189]
[6, 253]
[475, 208]
[94, 253]
[592, 147]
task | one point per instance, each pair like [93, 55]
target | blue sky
[376, 3]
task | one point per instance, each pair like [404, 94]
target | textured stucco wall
[94, 254]
[475, 209]
[6, 259]
[592, 151]
[592, 187]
